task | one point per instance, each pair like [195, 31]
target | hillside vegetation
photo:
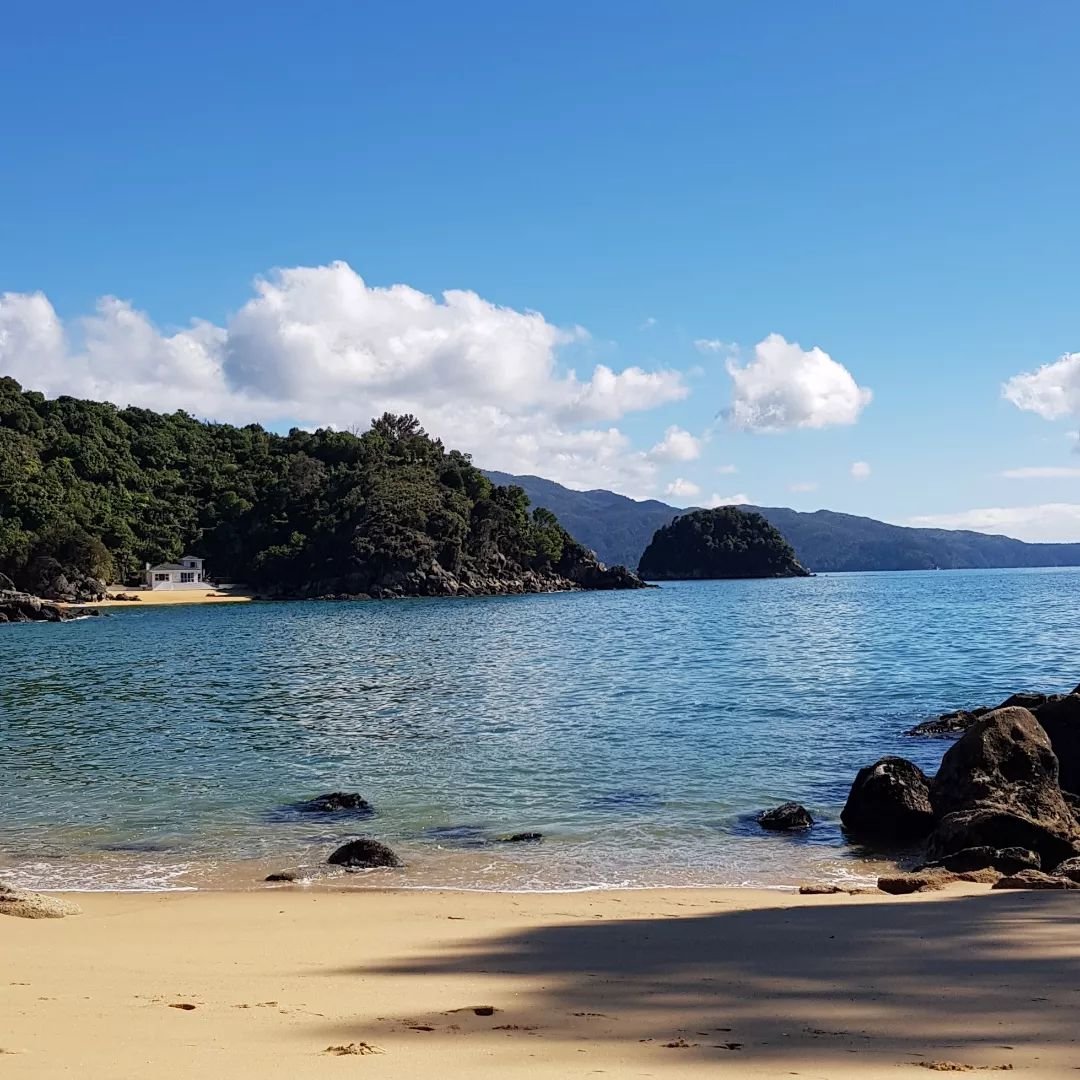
[618, 529]
[721, 543]
[91, 490]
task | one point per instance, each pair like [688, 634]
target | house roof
[166, 566]
[193, 558]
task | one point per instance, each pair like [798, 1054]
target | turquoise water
[637, 731]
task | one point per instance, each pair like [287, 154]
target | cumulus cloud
[682, 489]
[727, 500]
[1053, 391]
[318, 345]
[1042, 472]
[803, 486]
[785, 387]
[676, 445]
[860, 470]
[1043, 523]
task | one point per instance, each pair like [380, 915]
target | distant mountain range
[618, 530]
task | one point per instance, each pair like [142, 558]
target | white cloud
[677, 445]
[1042, 472]
[319, 346]
[1053, 391]
[727, 500]
[648, 324]
[682, 489]
[803, 486]
[715, 345]
[1045, 523]
[787, 387]
[860, 470]
[726, 470]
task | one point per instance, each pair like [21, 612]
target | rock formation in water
[788, 817]
[363, 853]
[20, 607]
[720, 543]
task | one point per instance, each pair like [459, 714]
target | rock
[932, 880]
[1060, 719]
[1027, 701]
[19, 607]
[889, 802]
[363, 853]
[520, 838]
[1004, 764]
[993, 827]
[31, 905]
[1035, 879]
[820, 890]
[786, 817]
[281, 875]
[948, 724]
[1070, 868]
[337, 802]
[1006, 860]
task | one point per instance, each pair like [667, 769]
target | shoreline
[621, 982]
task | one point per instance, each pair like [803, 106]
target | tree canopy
[103, 490]
[720, 543]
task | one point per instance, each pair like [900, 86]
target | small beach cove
[640, 733]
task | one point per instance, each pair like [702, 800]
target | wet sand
[316, 983]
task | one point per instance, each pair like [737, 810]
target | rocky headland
[20, 607]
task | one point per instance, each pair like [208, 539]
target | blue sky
[894, 186]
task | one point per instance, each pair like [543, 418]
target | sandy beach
[312, 983]
[167, 596]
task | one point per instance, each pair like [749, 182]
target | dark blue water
[635, 730]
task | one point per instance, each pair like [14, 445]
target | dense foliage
[618, 529]
[721, 543]
[101, 491]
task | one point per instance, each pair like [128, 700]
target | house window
[185, 578]
[161, 577]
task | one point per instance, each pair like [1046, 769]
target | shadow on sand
[986, 980]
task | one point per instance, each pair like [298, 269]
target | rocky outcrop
[1008, 860]
[31, 905]
[889, 803]
[1070, 868]
[998, 787]
[932, 880]
[20, 607]
[1059, 717]
[52, 580]
[336, 802]
[363, 853]
[788, 817]
[1035, 879]
[948, 725]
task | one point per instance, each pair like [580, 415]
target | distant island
[91, 493]
[721, 543]
[619, 529]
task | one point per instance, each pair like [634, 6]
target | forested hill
[88, 490]
[619, 529]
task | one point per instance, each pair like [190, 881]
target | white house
[186, 574]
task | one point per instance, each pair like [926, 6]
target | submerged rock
[31, 905]
[281, 875]
[336, 802]
[889, 803]
[520, 838]
[788, 817]
[1036, 879]
[363, 853]
[948, 724]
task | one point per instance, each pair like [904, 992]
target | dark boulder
[788, 817]
[994, 827]
[363, 853]
[889, 803]
[1060, 719]
[1035, 879]
[1008, 860]
[1070, 868]
[282, 875]
[337, 802]
[521, 838]
[948, 724]
[1029, 701]
[1006, 766]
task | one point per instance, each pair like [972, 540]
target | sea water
[640, 732]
